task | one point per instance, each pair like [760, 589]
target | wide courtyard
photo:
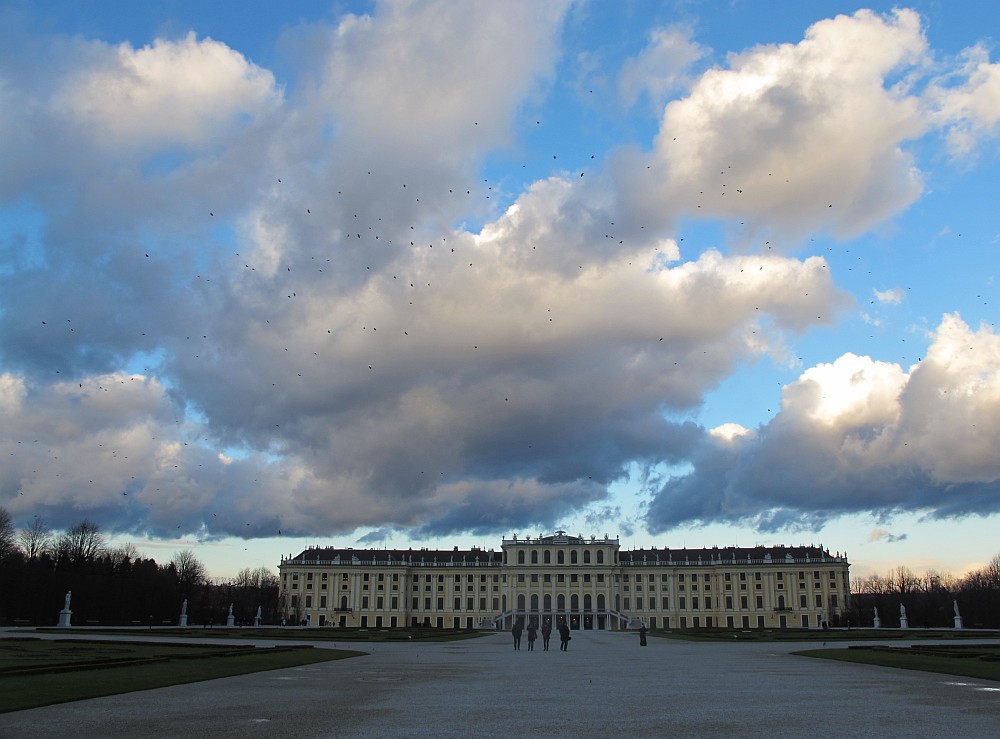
[604, 685]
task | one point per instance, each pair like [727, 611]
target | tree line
[929, 599]
[117, 585]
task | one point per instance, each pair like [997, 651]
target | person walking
[564, 636]
[531, 636]
[546, 633]
[516, 633]
[642, 635]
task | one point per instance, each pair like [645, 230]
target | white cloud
[730, 432]
[853, 392]
[798, 136]
[173, 92]
[886, 536]
[892, 296]
[661, 67]
[967, 102]
[861, 435]
[951, 405]
[437, 76]
[12, 393]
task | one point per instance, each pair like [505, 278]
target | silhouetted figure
[531, 637]
[642, 635]
[564, 637]
[546, 633]
[516, 633]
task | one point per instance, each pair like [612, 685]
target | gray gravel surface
[605, 685]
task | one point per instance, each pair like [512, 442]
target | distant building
[591, 583]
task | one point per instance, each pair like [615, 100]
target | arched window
[781, 601]
[343, 602]
[588, 604]
[600, 602]
[503, 602]
[600, 556]
[574, 602]
[547, 602]
[561, 557]
[534, 557]
[548, 557]
[561, 602]
[534, 601]
[572, 557]
[586, 556]
[520, 557]
[520, 602]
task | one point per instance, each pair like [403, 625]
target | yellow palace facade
[589, 582]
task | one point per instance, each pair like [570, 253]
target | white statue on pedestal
[184, 613]
[903, 621]
[878, 621]
[65, 615]
[958, 616]
[230, 619]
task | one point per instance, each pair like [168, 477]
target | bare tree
[266, 578]
[991, 572]
[190, 570]
[985, 578]
[35, 538]
[872, 584]
[124, 554]
[8, 540]
[259, 578]
[81, 544]
[903, 580]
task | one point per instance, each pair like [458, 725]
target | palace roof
[401, 557]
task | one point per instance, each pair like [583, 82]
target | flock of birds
[368, 245]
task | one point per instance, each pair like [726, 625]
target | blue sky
[434, 273]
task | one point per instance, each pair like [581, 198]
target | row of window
[640, 603]
[664, 577]
[574, 557]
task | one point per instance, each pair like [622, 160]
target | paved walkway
[605, 685]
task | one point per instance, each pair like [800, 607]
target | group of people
[564, 636]
[546, 631]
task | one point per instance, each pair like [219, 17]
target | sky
[426, 273]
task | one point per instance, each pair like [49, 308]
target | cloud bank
[232, 308]
[858, 435]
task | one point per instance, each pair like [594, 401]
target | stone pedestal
[65, 615]
[878, 623]
[184, 620]
[904, 622]
[958, 622]
[230, 620]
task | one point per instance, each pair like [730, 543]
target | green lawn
[820, 636]
[967, 660]
[37, 673]
[275, 632]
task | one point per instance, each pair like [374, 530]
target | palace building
[588, 582]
